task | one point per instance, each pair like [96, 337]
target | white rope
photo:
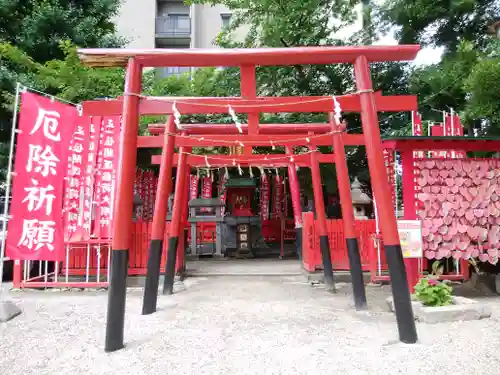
[177, 117]
[235, 119]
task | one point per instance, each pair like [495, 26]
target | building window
[225, 18]
[171, 71]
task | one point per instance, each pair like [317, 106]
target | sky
[426, 56]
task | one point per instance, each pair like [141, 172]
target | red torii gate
[133, 105]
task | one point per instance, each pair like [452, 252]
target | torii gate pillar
[293, 181]
[159, 221]
[343, 183]
[319, 205]
[115, 319]
[382, 191]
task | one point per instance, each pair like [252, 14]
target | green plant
[432, 292]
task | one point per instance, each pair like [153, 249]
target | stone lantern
[360, 200]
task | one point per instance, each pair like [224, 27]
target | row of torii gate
[183, 137]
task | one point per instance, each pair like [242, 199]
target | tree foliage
[440, 23]
[38, 26]
[459, 80]
[33, 32]
[276, 23]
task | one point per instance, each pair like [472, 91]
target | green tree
[276, 23]
[458, 28]
[482, 86]
[38, 26]
[31, 33]
[439, 23]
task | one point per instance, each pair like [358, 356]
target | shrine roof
[426, 143]
[200, 57]
[236, 182]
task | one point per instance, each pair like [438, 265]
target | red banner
[448, 132]
[89, 171]
[105, 180]
[223, 194]
[206, 190]
[264, 198]
[148, 192]
[389, 165]
[458, 131]
[36, 230]
[278, 196]
[417, 130]
[139, 191]
[76, 182]
[193, 187]
[437, 130]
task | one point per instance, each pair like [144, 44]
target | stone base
[339, 276]
[463, 309]
[8, 311]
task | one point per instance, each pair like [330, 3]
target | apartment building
[171, 24]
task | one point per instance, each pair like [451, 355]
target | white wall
[137, 23]
[166, 8]
[208, 24]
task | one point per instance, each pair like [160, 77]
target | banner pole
[7, 308]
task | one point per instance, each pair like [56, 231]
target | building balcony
[173, 27]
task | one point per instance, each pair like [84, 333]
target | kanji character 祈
[37, 196]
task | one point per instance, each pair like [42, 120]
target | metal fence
[173, 26]
[85, 266]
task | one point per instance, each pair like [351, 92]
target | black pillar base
[152, 277]
[327, 263]
[298, 242]
[401, 294]
[168, 284]
[358, 283]
[115, 320]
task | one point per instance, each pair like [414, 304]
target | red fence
[86, 264]
[338, 250]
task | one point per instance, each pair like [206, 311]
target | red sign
[36, 230]
[264, 198]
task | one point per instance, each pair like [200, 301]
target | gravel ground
[228, 325]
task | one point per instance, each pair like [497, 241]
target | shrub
[432, 292]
